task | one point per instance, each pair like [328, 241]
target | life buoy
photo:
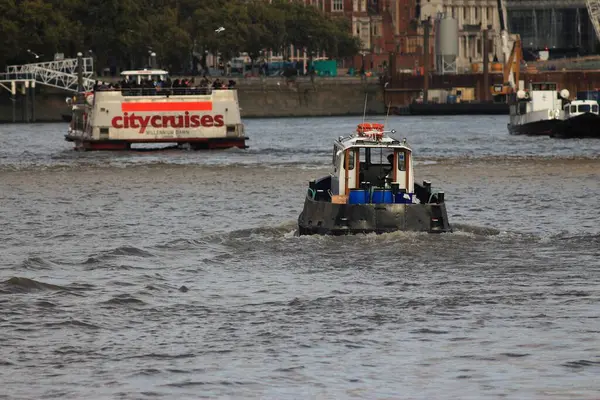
[369, 127]
[89, 98]
[374, 134]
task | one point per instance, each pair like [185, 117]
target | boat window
[584, 108]
[573, 109]
[351, 161]
[362, 154]
[595, 109]
[334, 155]
[522, 108]
[380, 155]
[401, 161]
[567, 108]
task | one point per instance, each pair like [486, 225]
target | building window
[374, 31]
[337, 5]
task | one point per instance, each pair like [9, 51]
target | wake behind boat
[371, 190]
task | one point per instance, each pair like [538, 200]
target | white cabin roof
[145, 72]
[580, 102]
[372, 138]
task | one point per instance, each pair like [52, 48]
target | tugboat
[371, 190]
[147, 110]
[536, 111]
[582, 120]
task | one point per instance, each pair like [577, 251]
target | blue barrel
[357, 196]
[451, 99]
[403, 198]
[382, 196]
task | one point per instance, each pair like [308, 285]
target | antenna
[365, 109]
[387, 115]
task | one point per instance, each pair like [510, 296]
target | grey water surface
[178, 275]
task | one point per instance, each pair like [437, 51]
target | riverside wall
[259, 98]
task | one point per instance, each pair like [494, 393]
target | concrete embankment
[259, 98]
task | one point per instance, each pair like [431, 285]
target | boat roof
[580, 101]
[372, 135]
[145, 72]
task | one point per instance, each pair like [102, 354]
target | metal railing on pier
[176, 91]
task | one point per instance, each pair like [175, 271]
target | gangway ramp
[61, 74]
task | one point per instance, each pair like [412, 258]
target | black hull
[582, 126]
[459, 109]
[326, 218]
[538, 128]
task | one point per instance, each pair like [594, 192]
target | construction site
[530, 41]
[440, 56]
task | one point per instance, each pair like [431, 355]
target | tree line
[123, 32]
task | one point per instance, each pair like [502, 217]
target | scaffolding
[61, 74]
[570, 27]
[593, 7]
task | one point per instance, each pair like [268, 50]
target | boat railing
[183, 91]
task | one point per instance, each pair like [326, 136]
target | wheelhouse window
[573, 109]
[595, 109]
[401, 161]
[351, 160]
[584, 108]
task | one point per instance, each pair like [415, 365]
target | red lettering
[155, 121]
[144, 121]
[178, 123]
[207, 121]
[194, 121]
[133, 121]
[117, 122]
[219, 120]
[166, 121]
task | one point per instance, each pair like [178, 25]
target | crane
[504, 36]
[593, 7]
[512, 60]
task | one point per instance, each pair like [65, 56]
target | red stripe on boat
[166, 106]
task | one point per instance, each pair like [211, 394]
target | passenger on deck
[390, 171]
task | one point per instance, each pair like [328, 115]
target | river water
[177, 274]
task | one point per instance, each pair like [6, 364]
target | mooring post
[486, 61]
[13, 94]
[79, 72]
[33, 101]
[26, 101]
[425, 59]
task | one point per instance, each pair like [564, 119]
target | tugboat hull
[326, 218]
[582, 126]
[537, 128]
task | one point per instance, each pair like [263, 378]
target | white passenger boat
[145, 108]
